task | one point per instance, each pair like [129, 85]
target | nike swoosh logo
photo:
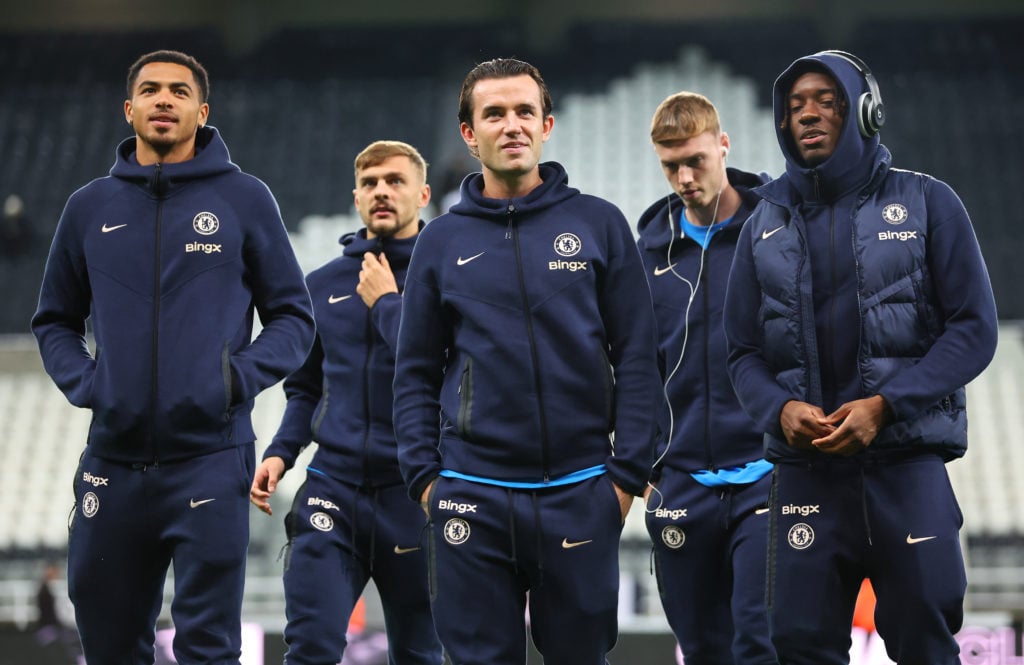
[658, 272]
[192, 503]
[761, 511]
[567, 545]
[463, 261]
[768, 234]
[108, 229]
[912, 541]
[404, 550]
[332, 299]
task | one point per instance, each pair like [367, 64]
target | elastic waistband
[864, 459]
[570, 479]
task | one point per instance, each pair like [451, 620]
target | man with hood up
[858, 307]
[706, 512]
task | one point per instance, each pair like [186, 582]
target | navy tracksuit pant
[131, 521]
[340, 537]
[890, 517]
[497, 550]
[710, 550]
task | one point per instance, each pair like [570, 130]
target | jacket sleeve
[304, 389]
[628, 313]
[386, 315]
[419, 373]
[64, 304]
[282, 301]
[964, 301]
[761, 396]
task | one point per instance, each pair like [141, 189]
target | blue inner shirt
[700, 234]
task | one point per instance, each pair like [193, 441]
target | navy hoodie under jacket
[853, 279]
[341, 397]
[709, 429]
[168, 262]
[527, 339]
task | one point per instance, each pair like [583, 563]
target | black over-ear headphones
[870, 110]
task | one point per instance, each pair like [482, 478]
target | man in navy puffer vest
[858, 308]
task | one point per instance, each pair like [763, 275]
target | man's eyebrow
[530, 106]
[390, 175]
[173, 84]
[819, 91]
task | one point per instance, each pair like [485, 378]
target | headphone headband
[870, 110]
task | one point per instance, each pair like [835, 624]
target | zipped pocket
[463, 420]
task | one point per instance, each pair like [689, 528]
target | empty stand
[603, 139]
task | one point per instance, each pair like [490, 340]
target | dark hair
[178, 58]
[500, 68]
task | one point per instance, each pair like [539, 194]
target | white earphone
[686, 324]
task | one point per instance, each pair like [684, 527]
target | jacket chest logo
[895, 213]
[568, 244]
[205, 223]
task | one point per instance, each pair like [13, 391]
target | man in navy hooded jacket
[351, 520]
[527, 343]
[858, 308]
[168, 258]
[707, 515]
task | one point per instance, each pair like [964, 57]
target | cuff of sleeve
[416, 490]
[279, 449]
[386, 296]
[626, 484]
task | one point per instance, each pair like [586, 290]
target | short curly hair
[178, 58]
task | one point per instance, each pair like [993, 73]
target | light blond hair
[682, 116]
[379, 151]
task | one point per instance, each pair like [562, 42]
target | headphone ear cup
[864, 115]
[870, 115]
[877, 115]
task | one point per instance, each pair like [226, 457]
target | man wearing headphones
[858, 307]
[707, 513]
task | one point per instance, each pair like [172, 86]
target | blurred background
[298, 88]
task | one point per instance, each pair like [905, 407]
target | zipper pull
[157, 184]
[510, 211]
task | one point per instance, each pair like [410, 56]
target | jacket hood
[553, 189]
[211, 159]
[356, 244]
[655, 232]
[851, 164]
